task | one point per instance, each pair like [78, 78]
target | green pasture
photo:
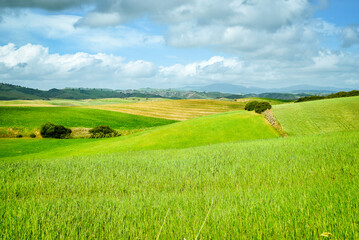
[280, 188]
[28, 119]
[317, 117]
[77, 102]
[224, 127]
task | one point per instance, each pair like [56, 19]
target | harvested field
[175, 109]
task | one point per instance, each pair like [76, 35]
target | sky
[129, 44]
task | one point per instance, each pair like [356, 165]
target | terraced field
[318, 117]
[175, 109]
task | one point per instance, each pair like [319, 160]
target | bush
[19, 136]
[262, 106]
[33, 135]
[103, 132]
[251, 105]
[50, 130]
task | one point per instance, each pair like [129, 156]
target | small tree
[51, 130]
[103, 131]
[251, 105]
[262, 106]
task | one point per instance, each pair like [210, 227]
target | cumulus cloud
[45, 4]
[35, 66]
[350, 36]
[35, 63]
[27, 26]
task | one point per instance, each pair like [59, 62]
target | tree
[262, 106]
[51, 130]
[103, 131]
[251, 105]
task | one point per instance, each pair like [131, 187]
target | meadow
[224, 127]
[75, 102]
[227, 175]
[29, 119]
[318, 117]
[283, 188]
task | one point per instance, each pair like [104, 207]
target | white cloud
[34, 66]
[350, 36]
[27, 26]
[35, 63]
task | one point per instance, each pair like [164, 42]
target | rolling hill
[175, 109]
[318, 117]
[224, 127]
[29, 119]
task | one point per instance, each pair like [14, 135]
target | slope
[329, 115]
[175, 109]
[284, 188]
[31, 118]
[224, 127]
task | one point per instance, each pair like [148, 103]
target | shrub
[103, 132]
[251, 105]
[50, 130]
[33, 135]
[262, 106]
[19, 136]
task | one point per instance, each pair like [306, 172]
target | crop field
[29, 119]
[71, 102]
[175, 109]
[228, 175]
[225, 127]
[329, 115]
[284, 188]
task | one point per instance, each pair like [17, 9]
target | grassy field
[72, 102]
[224, 127]
[175, 109]
[29, 119]
[329, 115]
[223, 176]
[283, 188]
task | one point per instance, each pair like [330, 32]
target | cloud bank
[34, 65]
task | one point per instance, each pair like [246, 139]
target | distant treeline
[334, 95]
[14, 92]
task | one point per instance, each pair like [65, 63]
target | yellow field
[174, 109]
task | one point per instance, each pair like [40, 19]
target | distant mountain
[226, 88]
[13, 92]
[237, 89]
[214, 91]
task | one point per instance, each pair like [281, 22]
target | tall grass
[283, 188]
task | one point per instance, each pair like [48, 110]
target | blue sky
[123, 44]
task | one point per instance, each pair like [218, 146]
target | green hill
[329, 115]
[29, 119]
[224, 127]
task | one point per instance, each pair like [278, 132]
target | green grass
[77, 102]
[329, 115]
[224, 127]
[28, 119]
[282, 188]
